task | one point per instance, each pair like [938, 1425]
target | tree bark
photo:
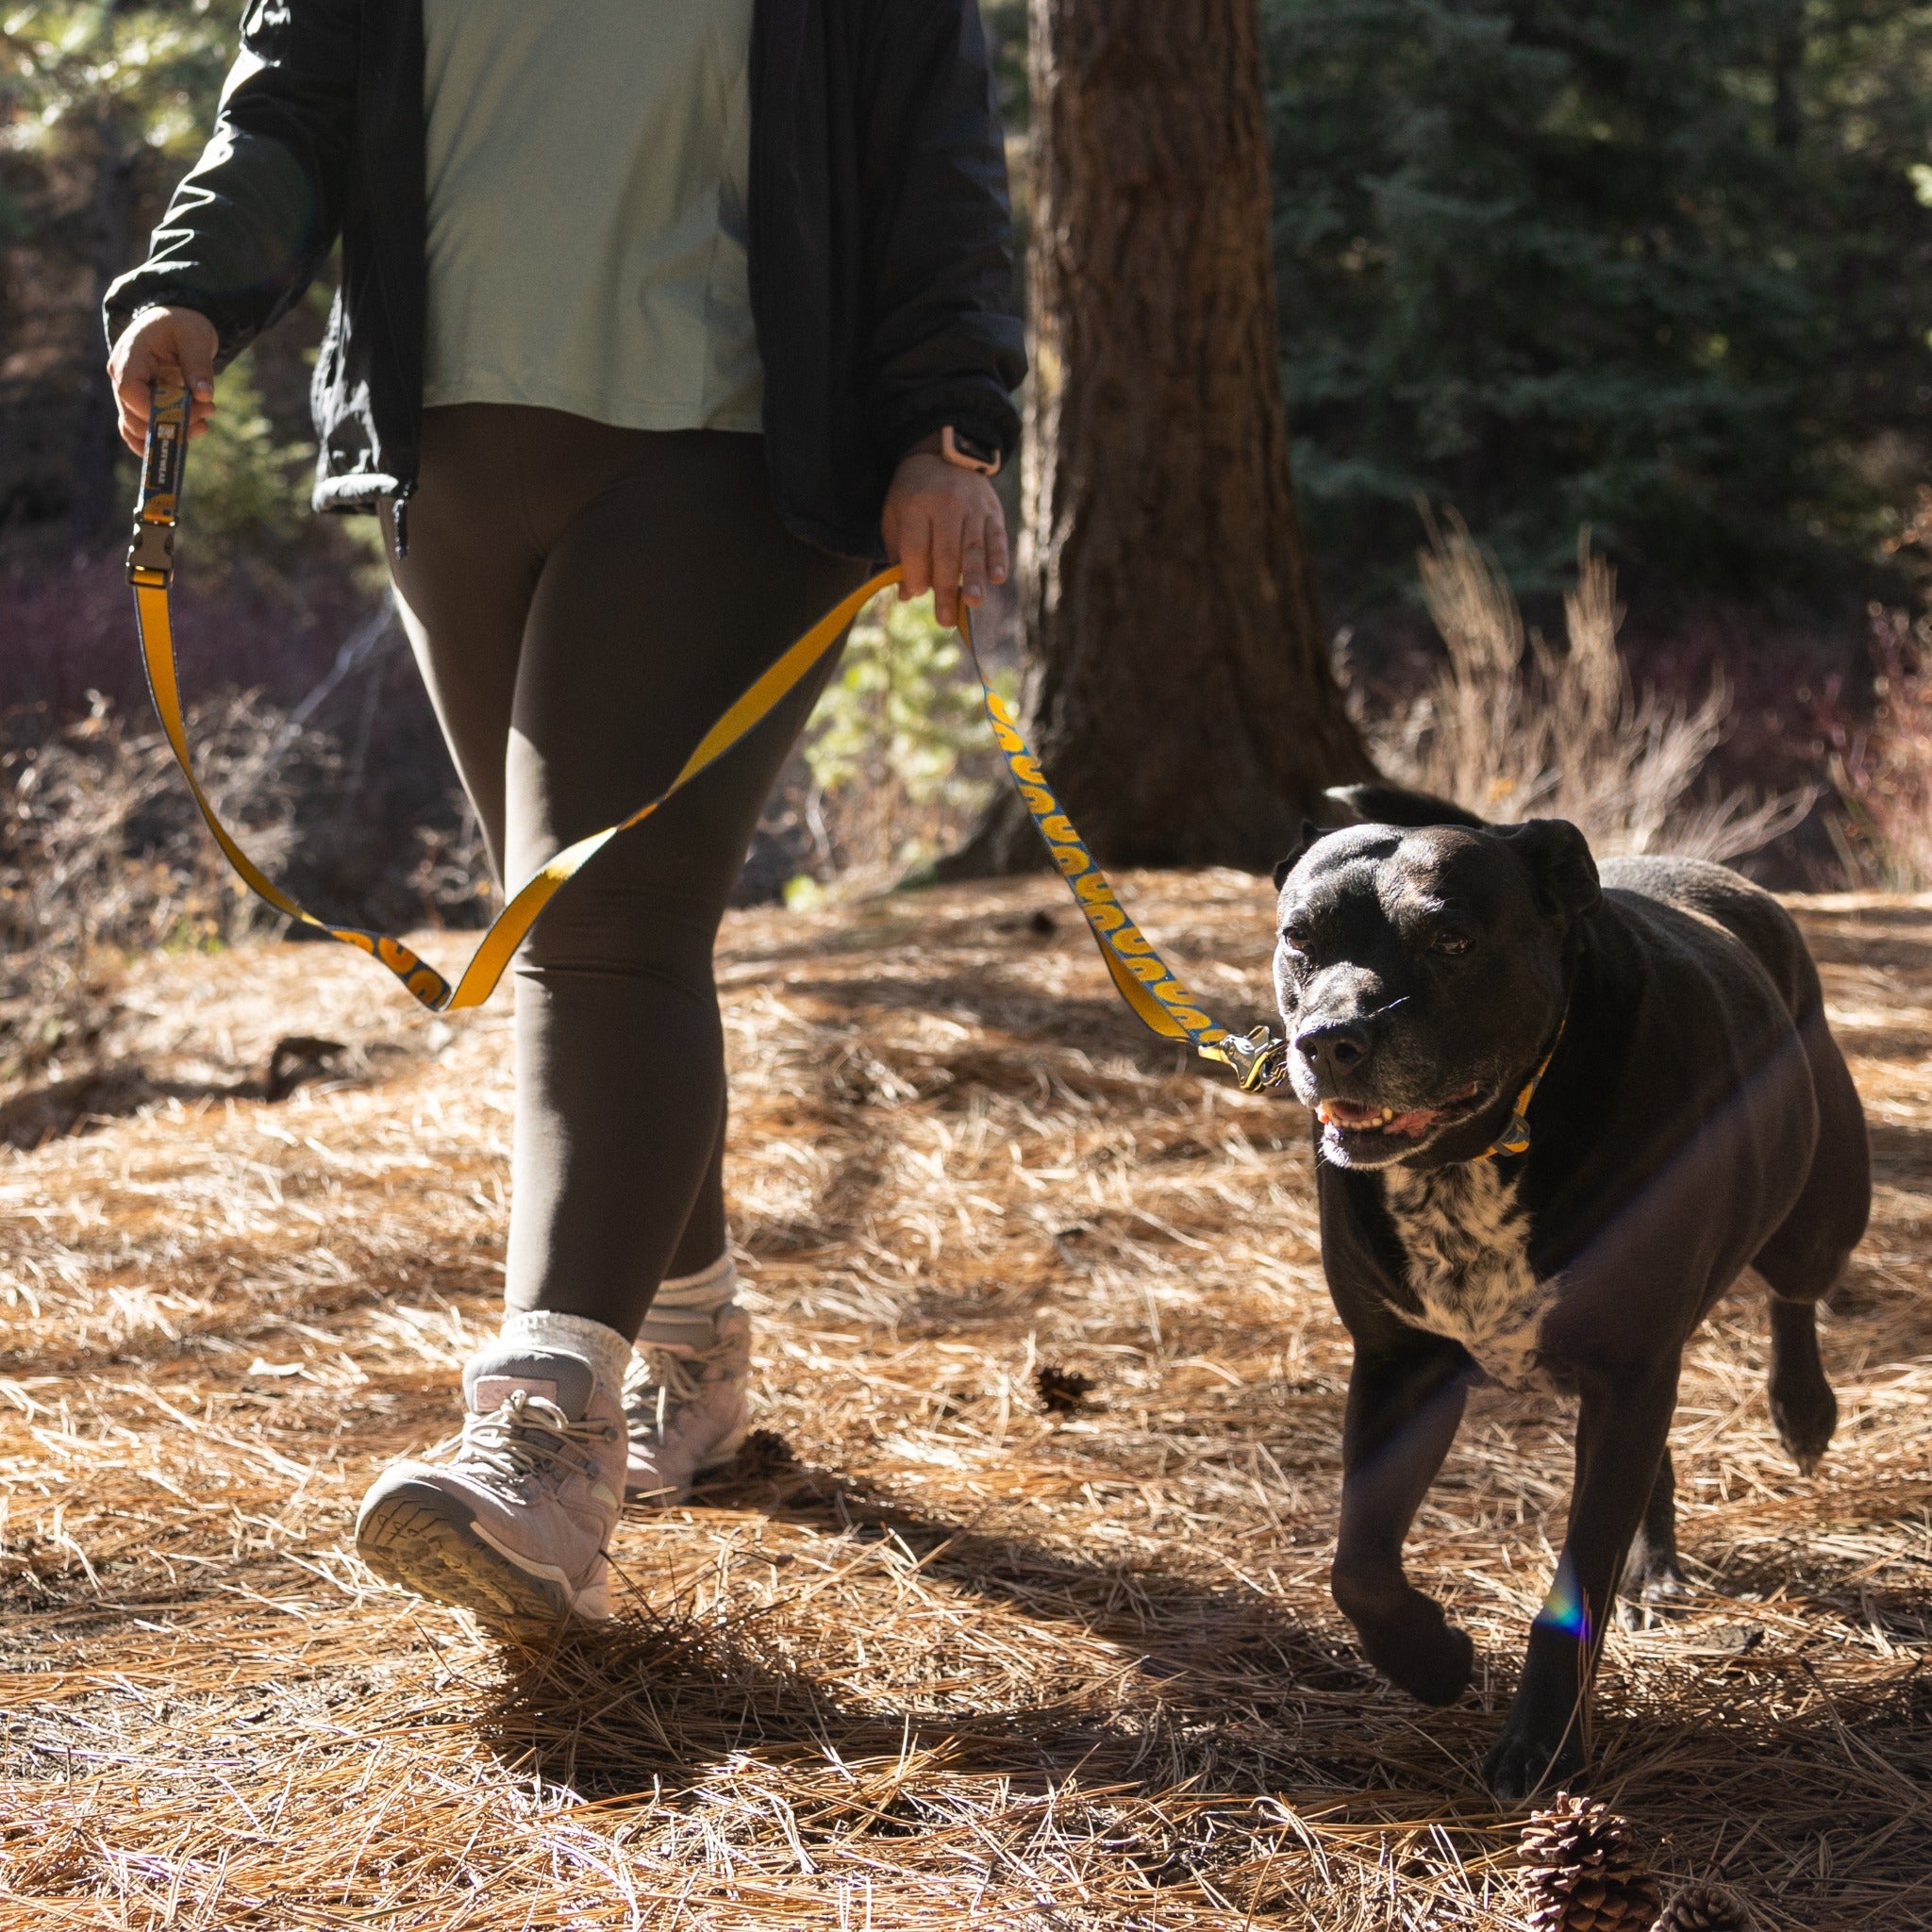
[1177, 683]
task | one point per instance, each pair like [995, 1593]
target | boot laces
[662, 1381]
[527, 1438]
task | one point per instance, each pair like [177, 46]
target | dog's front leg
[1621, 1433]
[1405, 1401]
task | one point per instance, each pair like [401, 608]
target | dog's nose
[1334, 1048]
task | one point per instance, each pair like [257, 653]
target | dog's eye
[1450, 942]
[1289, 944]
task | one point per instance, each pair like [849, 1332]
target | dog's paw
[1652, 1586]
[1805, 1418]
[1527, 1763]
[1416, 1647]
[1657, 1597]
[1436, 1671]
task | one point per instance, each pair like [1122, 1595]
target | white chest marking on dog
[1466, 1241]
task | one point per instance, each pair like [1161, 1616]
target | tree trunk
[1177, 686]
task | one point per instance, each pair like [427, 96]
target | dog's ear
[1310, 832]
[1560, 867]
[1395, 805]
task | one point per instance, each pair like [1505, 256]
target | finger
[973, 563]
[132, 412]
[130, 375]
[197, 358]
[946, 546]
[915, 553]
[998, 563]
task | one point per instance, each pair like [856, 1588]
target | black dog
[1560, 1111]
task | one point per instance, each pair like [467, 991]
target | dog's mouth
[1367, 1123]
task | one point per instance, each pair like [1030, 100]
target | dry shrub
[1515, 728]
[103, 854]
[1884, 772]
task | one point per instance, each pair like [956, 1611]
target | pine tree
[101, 107]
[1659, 270]
[1178, 688]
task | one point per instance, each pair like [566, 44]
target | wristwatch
[967, 452]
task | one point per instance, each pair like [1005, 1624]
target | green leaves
[155, 70]
[898, 747]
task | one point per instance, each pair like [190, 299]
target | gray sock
[596, 1343]
[685, 1312]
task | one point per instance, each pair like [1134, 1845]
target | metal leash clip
[1258, 1058]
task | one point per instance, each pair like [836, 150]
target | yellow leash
[1146, 983]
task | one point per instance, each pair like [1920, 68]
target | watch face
[971, 446]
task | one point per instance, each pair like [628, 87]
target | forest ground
[929, 1656]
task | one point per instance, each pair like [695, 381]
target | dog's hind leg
[1802, 1405]
[1405, 1401]
[1651, 1571]
[1802, 1261]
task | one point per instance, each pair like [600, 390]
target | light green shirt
[588, 166]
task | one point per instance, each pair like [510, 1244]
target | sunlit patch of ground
[931, 1656]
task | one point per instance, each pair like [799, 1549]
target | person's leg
[509, 1526]
[660, 600]
[464, 593]
[618, 1198]
[662, 584]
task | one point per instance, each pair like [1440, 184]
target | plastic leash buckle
[151, 555]
[1258, 1058]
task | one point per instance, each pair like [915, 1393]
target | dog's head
[1420, 973]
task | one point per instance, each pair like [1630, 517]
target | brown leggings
[584, 602]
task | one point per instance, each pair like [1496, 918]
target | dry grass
[934, 1658]
[1883, 769]
[1515, 728]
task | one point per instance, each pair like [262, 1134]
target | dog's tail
[1395, 805]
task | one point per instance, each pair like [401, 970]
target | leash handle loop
[1153, 991]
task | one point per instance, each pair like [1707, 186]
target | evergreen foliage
[102, 108]
[1663, 270]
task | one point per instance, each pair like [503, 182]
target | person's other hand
[945, 528]
[171, 345]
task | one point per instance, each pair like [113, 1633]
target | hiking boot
[515, 1524]
[685, 1402]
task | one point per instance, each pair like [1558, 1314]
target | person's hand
[171, 345]
[945, 528]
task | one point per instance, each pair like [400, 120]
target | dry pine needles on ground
[935, 1654]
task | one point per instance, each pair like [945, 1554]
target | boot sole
[426, 1542]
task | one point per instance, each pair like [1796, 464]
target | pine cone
[1587, 1872]
[1704, 1908]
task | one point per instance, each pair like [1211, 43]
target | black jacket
[880, 245]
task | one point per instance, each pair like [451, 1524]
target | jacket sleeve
[256, 217]
[946, 345]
